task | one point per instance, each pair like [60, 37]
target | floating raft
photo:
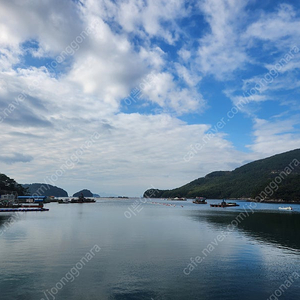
[224, 205]
[23, 209]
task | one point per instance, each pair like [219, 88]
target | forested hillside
[10, 185]
[275, 177]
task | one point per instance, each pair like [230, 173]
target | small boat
[286, 208]
[224, 204]
[64, 201]
[177, 199]
[200, 200]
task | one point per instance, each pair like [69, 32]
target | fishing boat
[285, 208]
[200, 200]
[64, 201]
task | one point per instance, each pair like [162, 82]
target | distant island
[43, 189]
[275, 178]
[9, 185]
[84, 193]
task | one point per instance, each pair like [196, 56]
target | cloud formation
[152, 79]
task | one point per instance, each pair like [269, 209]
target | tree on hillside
[9, 184]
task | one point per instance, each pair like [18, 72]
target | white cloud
[185, 54]
[280, 27]
[276, 136]
[59, 113]
[221, 51]
[132, 153]
[153, 57]
[128, 40]
[168, 94]
[191, 78]
[49, 21]
[147, 18]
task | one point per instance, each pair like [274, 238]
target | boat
[177, 199]
[82, 200]
[286, 208]
[224, 204]
[200, 200]
[64, 201]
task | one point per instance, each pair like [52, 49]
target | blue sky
[114, 96]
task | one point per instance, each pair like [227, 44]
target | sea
[151, 249]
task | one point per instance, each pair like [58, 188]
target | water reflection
[269, 227]
[145, 256]
[3, 220]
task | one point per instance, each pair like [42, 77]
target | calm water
[152, 254]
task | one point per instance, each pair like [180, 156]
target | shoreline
[271, 201]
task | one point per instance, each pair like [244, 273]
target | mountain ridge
[273, 178]
[43, 189]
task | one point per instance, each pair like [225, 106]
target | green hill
[43, 189]
[9, 185]
[85, 193]
[276, 177]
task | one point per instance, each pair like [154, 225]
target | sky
[124, 95]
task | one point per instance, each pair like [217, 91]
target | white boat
[286, 208]
[177, 199]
